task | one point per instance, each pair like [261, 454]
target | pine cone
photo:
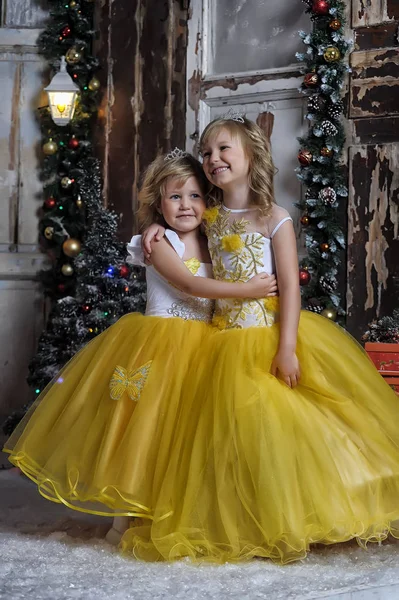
[328, 284]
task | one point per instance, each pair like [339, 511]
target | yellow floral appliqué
[131, 382]
[210, 215]
[272, 303]
[232, 243]
[219, 322]
[193, 265]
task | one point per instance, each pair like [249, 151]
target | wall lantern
[62, 93]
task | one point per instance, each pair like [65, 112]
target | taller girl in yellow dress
[290, 436]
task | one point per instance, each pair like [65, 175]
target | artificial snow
[50, 552]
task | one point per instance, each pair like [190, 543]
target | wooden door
[21, 304]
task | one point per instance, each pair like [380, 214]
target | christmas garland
[69, 33]
[320, 155]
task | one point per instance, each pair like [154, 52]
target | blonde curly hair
[257, 148]
[155, 179]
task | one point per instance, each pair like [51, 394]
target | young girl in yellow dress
[99, 437]
[292, 436]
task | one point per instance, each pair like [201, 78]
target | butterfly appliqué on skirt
[131, 382]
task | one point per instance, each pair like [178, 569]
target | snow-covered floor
[50, 552]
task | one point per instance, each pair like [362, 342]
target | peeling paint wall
[142, 48]
[373, 211]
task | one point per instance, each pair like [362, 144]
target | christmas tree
[89, 283]
[320, 157]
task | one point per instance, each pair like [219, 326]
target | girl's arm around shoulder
[172, 268]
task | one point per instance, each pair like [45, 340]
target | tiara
[233, 115]
[176, 153]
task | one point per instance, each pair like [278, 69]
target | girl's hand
[286, 366]
[262, 285]
[153, 232]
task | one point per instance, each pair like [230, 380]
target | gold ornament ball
[48, 233]
[326, 152]
[66, 182]
[72, 4]
[94, 84]
[67, 270]
[71, 247]
[73, 56]
[329, 313]
[79, 202]
[50, 148]
[335, 24]
[332, 54]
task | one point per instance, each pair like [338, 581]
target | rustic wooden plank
[373, 227]
[384, 35]
[18, 40]
[367, 64]
[179, 71]
[142, 50]
[9, 159]
[372, 97]
[25, 13]
[119, 25]
[383, 130]
[30, 187]
[373, 12]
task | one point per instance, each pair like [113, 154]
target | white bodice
[163, 299]
[238, 253]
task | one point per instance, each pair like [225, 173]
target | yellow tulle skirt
[182, 427]
[99, 437]
[259, 469]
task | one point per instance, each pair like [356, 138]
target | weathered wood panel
[373, 12]
[30, 187]
[142, 48]
[10, 77]
[373, 228]
[21, 300]
[375, 83]
[384, 35]
[383, 130]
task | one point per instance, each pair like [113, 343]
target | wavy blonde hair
[155, 179]
[257, 148]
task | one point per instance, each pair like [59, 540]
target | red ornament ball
[61, 287]
[320, 7]
[73, 143]
[124, 271]
[86, 308]
[311, 79]
[324, 247]
[305, 221]
[305, 157]
[66, 32]
[304, 277]
[50, 202]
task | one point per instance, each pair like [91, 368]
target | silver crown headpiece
[233, 115]
[176, 153]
